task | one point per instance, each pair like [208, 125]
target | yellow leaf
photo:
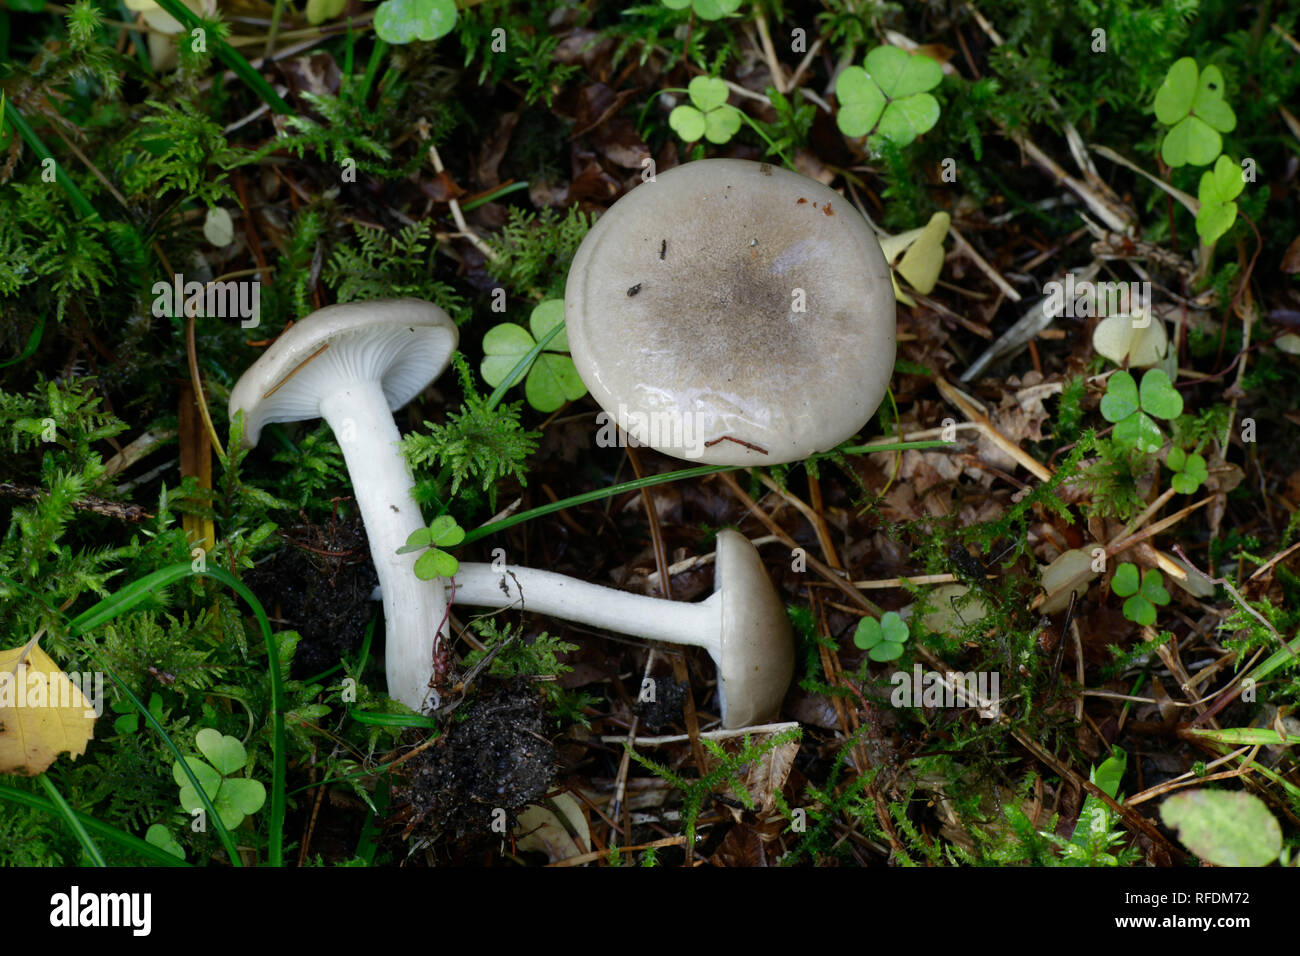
[899, 294]
[922, 255]
[42, 713]
[542, 830]
[921, 263]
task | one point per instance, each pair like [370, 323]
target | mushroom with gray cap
[734, 313]
[742, 625]
[353, 365]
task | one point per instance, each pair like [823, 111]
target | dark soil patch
[666, 708]
[496, 756]
[319, 584]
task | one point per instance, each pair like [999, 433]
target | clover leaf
[1132, 409]
[1191, 103]
[435, 563]
[161, 837]
[1143, 595]
[227, 754]
[1189, 470]
[710, 117]
[889, 96]
[706, 9]
[401, 21]
[552, 378]
[233, 797]
[1218, 188]
[129, 721]
[883, 640]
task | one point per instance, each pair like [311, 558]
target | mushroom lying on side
[733, 313]
[353, 365]
[742, 625]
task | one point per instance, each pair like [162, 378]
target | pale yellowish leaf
[921, 263]
[42, 713]
[1139, 336]
[543, 831]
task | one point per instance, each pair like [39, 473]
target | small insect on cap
[404, 344]
[732, 312]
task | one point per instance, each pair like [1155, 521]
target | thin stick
[963, 403]
[705, 735]
[191, 352]
[1156, 528]
[804, 64]
[821, 568]
[595, 855]
[982, 264]
[1189, 778]
[699, 560]
[1241, 601]
[769, 52]
[1272, 561]
[813, 518]
[296, 369]
[456, 213]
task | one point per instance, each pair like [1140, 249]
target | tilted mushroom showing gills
[353, 365]
[733, 313]
[742, 625]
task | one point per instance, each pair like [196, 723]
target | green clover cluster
[883, 640]
[1191, 103]
[1143, 594]
[435, 562]
[552, 378]
[889, 96]
[1189, 470]
[708, 114]
[233, 797]
[1132, 409]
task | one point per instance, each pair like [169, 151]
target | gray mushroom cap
[733, 312]
[403, 343]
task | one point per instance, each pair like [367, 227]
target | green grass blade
[392, 720]
[229, 56]
[1249, 737]
[111, 834]
[70, 818]
[650, 481]
[15, 119]
[33, 343]
[1276, 660]
[493, 197]
[370, 832]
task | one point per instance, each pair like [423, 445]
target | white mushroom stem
[413, 609]
[556, 595]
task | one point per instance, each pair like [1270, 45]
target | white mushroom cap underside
[404, 344]
[683, 305]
